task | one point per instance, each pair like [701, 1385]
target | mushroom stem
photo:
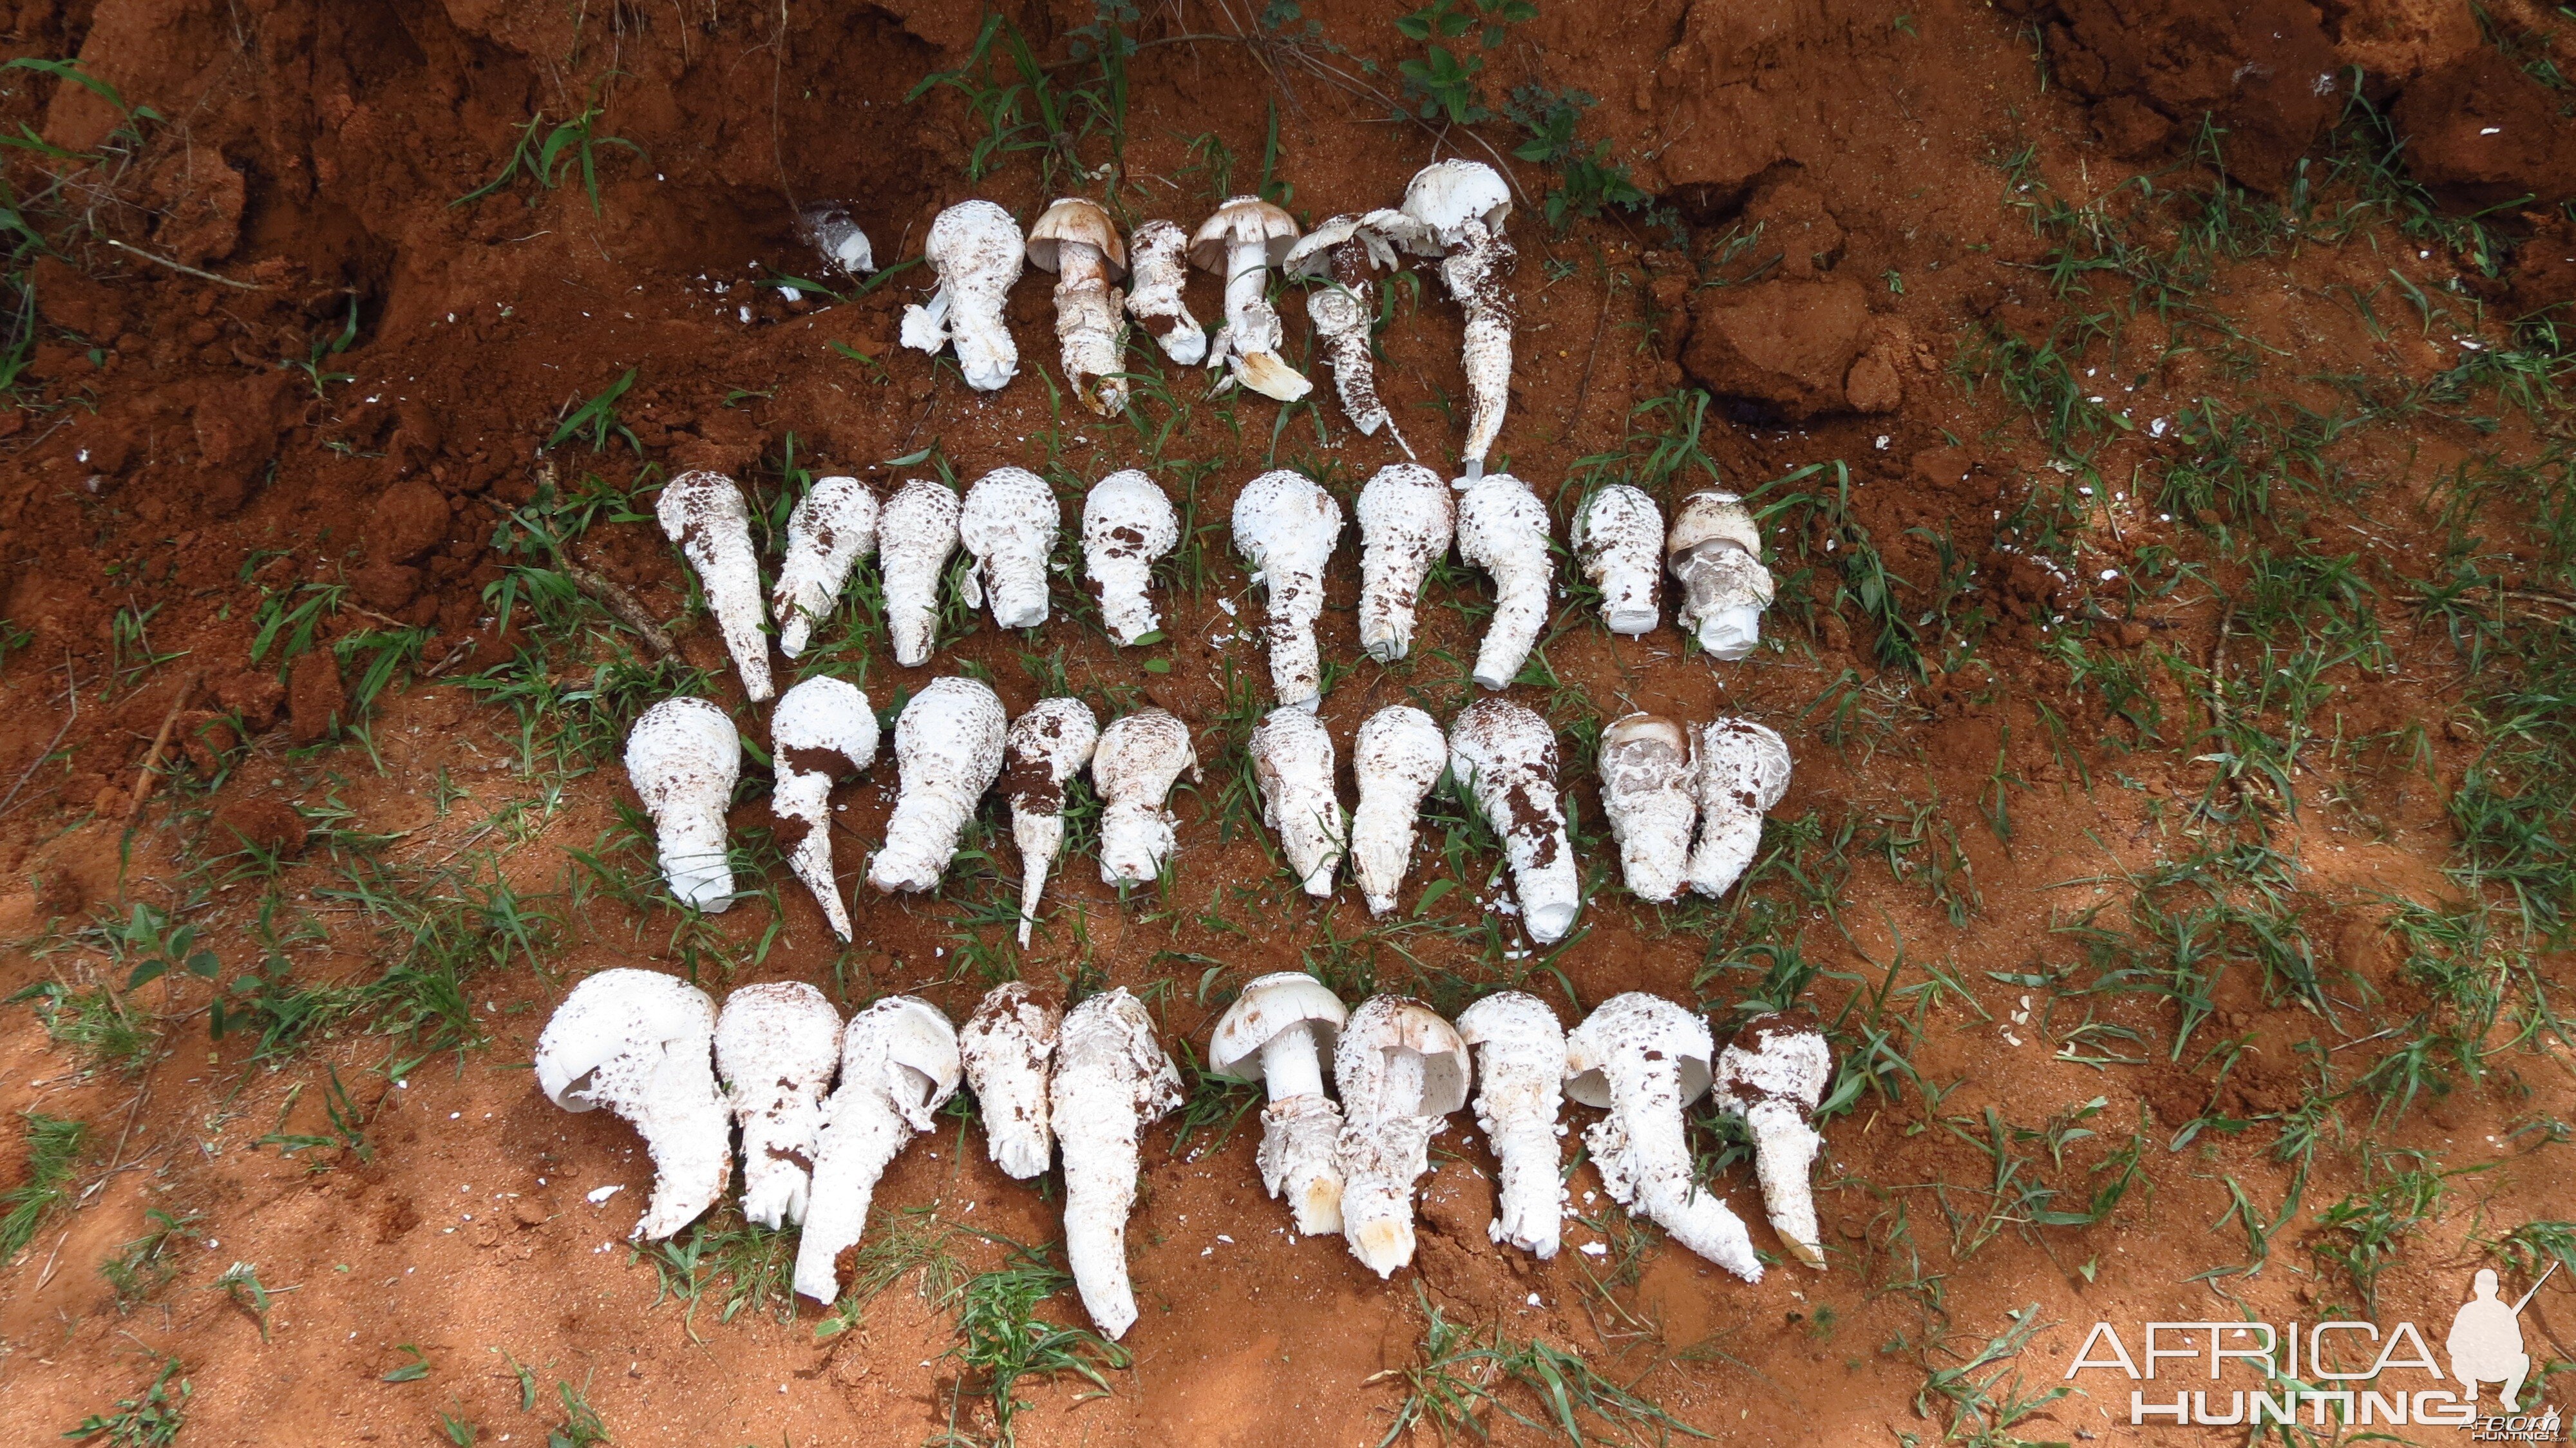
[1286, 526]
[1784, 1153]
[916, 534]
[1139, 757]
[1502, 528]
[1406, 523]
[1398, 757]
[704, 513]
[1504, 757]
[1474, 274]
[1290, 1066]
[1112, 1079]
[1300, 1158]
[1292, 762]
[1089, 331]
[898, 1065]
[1381, 1160]
[1519, 1089]
[777, 1046]
[948, 751]
[1161, 252]
[820, 728]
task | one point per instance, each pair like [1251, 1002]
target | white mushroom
[777, 1046]
[831, 528]
[1715, 551]
[1645, 1059]
[1162, 249]
[822, 730]
[1045, 747]
[1112, 1080]
[831, 228]
[703, 512]
[1127, 523]
[1077, 241]
[1772, 1074]
[1618, 537]
[638, 1043]
[1398, 756]
[898, 1066]
[1246, 238]
[1743, 771]
[974, 248]
[1279, 1032]
[1520, 1080]
[916, 533]
[1292, 761]
[1502, 529]
[1285, 526]
[1133, 769]
[683, 758]
[1651, 794]
[948, 751]
[1340, 253]
[1007, 1045]
[1504, 757]
[1459, 207]
[1009, 522]
[1400, 1068]
[1406, 521]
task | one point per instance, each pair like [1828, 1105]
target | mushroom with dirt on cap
[1502, 529]
[1139, 757]
[1743, 771]
[1292, 764]
[1007, 1047]
[1618, 536]
[683, 758]
[1279, 1032]
[1043, 749]
[1401, 1068]
[638, 1042]
[947, 751]
[1112, 1080]
[1077, 241]
[830, 530]
[1398, 756]
[1286, 526]
[1503, 757]
[899, 1065]
[821, 730]
[1009, 522]
[1772, 1075]
[1715, 552]
[1458, 208]
[1646, 1059]
[1407, 520]
[830, 227]
[1161, 249]
[1651, 795]
[1520, 1084]
[777, 1046]
[1245, 238]
[974, 247]
[1339, 254]
[704, 513]
[1127, 523]
[916, 535]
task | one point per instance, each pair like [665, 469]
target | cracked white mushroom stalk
[1076, 240]
[1043, 748]
[1112, 1080]
[822, 730]
[1743, 771]
[830, 530]
[1715, 552]
[916, 534]
[1459, 207]
[947, 751]
[1008, 522]
[1520, 1081]
[1618, 537]
[1407, 518]
[1651, 794]
[1285, 526]
[832, 228]
[703, 512]
[1502, 529]
[1645, 1059]
[1139, 757]
[1127, 523]
[777, 1046]
[974, 248]
[1162, 253]
[683, 757]
[1279, 1032]
[1007, 1046]
[1398, 756]
[1504, 756]
[1340, 254]
[638, 1042]
[1773, 1074]
[1245, 238]
[899, 1065]
[1292, 761]
[1400, 1069]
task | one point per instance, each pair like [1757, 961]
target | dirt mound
[265, 826]
[2481, 132]
[1800, 349]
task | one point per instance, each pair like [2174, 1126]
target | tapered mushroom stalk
[898, 1066]
[683, 757]
[1112, 1080]
[1504, 756]
[1161, 250]
[1520, 1080]
[1400, 1068]
[703, 512]
[822, 730]
[1743, 771]
[974, 249]
[1460, 206]
[1009, 522]
[1127, 523]
[1246, 238]
[1280, 1032]
[1139, 757]
[1651, 794]
[1502, 529]
[1618, 537]
[832, 228]
[1406, 521]
[1292, 762]
[777, 1046]
[1772, 1074]
[916, 533]
[1285, 526]
[831, 529]
[1007, 1046]
[1341, 253]
[637, 1042]
[948, 750]
[1077, 241]
[1045, 747]
[1645, 1059]
[1398, 757]
[1715, 552]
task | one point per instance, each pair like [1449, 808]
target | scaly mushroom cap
[1128, 515]
[972, 237]
[1045, 747]
[1446, 195]
[1388, 1026]
[831, 528]
[1779, 1055]
[916, 535]
[1708, 515]
[1397, 756]
[1140, 755]
[1247, 217]
[641, 1044]
[683, 758]
[704, 513]
[1651, 794]
[823, 726]
[1616, 535]
[907, 1045]
[1505, 756]
[1271, 1004]
[951, 735]
[1009, 521]
[1380, 232]
[1006, 1048]
[1647, 1024]
[1743, 771]
[1077, 219]
[831, 228]
[777, 1047]
[1286, 516]
[1407, 520]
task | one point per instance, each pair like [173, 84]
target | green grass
[150, 1419]
[142, 1267]
[757, 1267]
[53, 1148]
[1462, 1373]
[94, 1023]
[1003, 1343]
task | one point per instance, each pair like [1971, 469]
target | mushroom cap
[783, 1024]
[973, 231]
[683, 746]
[1129, 499]
[830, 227]
[1077, 218]
[1281, 508]
[914, 1036]
[1385, 1024]
[1648, 729]
[1005, 506]
[1509, 1016]
[1381, 231]
[1641, 1023]
[612, 1014]
[1445, 195]
[1047, 746]
[1246, 217]
[1777, 1055]
[1269, 1005]
[823, 713]
[1709, 515]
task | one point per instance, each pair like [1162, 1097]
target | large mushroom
[947, 751]
[975, 248]
[899, 1065]
[704, 513]
[1279, 1032]
[1503, 757]
[1161, 249]
[1645, 1059]
[1772, 1075]
[1502, 529]
[1401, 1068]
[1292, 764]
[831, 528]
[1458, 207]
[1651, 794]
[1139, 757]
[1743, 771]
[777, 1046]
[822, 730]
[916, 535]
[683, 757]
[1007, 1047]
[1127, 523]
[1520, 1080]
[1398, 756]
[1246, 238]
[1008, 522]
[1043, 749]
[1339, 254]
[638, 1043]
[1715, 552]
[1618, 536]
[1077, 241]
[1112, 1080]
[1285, 526]
[1407, 519]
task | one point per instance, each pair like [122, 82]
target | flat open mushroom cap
[1445, 195]
[1269, 1005]
[1246, 217]
[1380, 231]
[1077, 218]
[1709, 515]
[1635, 1022]
[1384, 1025]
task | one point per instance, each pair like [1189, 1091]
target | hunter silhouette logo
[2486, 1341]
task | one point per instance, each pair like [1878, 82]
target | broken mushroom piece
[831, 528]
[1651, 794]
[974, 248]
[1502, 529]
[1112, 1080]
[1459, 207]
[1139, 757]
[1504, 757]
[638, 1043]
[1340, 253]
[703, 512]
[1398, 756]
[1645, 1059]
[683, 758]
[1743, 771]
[777, 1046]
[1406, 521]
[1009, 521]
[898, 1066]
[1161, 250]
[1246, 238]
[1617, 535]
[1279, 1032]
[1285, 526]
[947, 751]
[1006, 1047]
[1715, 552]
[1077, 241]
[1400, 1068]
[821, 731]
[832, 228]
[1292, 761]
[1127, 523]
[1520, 1080]
[1772, 1074]
[916, 534]
[1043, 748]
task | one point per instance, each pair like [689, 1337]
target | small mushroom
[1292, 762]
[1009, 522]
[1077, 241]
[1646, 1059]
[899, 1065]
[1279, 1032]
[1340, 253]
[948, 751]
[974, 247]
[831, 528]
[1285, 526]
[1520, 1079]
[703, 512]
[1616, 535]
[1162, 250]
[822, 730]
[1112, 1080]
[1773, 1074]
[1139, 757]
[683, 758]
[1715, 552]
[1044, 747]
[1246, 238]
[1502, 529]
[1504, 758]
[1398, 756]
[777, 1046]
[638, 1043]
[1127, 523]
[1400, 1068]
[916, 534]
[1006, 1046]
[832, 228]
[1406, 522]
[1459, 208]
[1743, 771]
[1651, 794]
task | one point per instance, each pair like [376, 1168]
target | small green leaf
[413, 1371]
[1158, 666]
[147, 972]
[1148, 639]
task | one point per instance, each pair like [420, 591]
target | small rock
[314, 697]
[265, 826]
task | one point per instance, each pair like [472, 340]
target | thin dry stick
[1609, 284]
[160, 742]
[50, 745]
[185, 269]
